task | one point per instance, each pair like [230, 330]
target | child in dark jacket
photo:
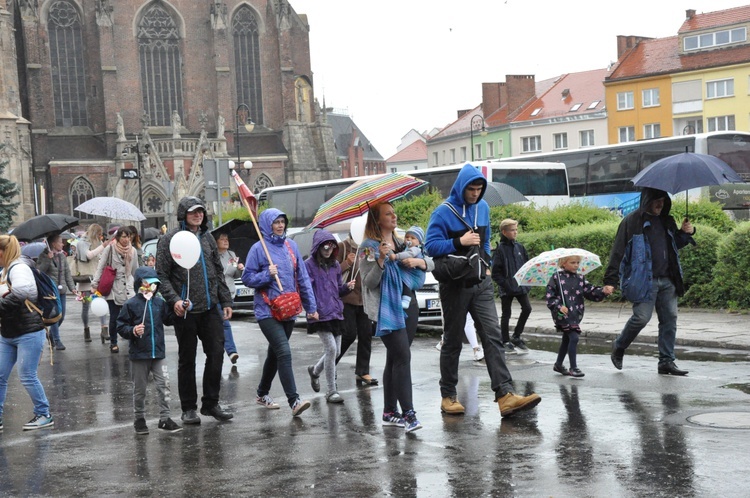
[325, 277]
[142, 321]
[566, 291]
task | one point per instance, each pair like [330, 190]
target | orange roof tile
[416, 151]
[460, 125]
[716, 19]
[583, 88]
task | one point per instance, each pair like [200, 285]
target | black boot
[86, 334]
[617, 355]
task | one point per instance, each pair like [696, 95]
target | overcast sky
[395, 65]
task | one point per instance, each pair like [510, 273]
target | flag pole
[240, 183]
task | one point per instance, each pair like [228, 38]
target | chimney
[689, 14]
[566, 92]
[494, 96]
[521, 89]
[462, 112]
[625, 43]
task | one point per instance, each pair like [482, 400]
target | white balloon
[99, 306]
[357, 228]
[185, 248]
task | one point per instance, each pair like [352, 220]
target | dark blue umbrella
[685, 171]
[34, 249]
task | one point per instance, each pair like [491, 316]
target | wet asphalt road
[612, 434]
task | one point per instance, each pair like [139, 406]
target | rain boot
[105, 334]
[86, 334]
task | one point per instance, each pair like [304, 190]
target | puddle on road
[745, 388]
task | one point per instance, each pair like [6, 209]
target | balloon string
[187, 294]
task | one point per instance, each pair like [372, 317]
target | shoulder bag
[107, 280]
[468, 268]
[288, 305]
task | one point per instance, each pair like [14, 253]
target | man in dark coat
[201, 318]
[644, 261]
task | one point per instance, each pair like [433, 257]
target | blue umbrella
[34, 249]
[685, 171]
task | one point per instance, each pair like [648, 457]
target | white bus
[544, 184]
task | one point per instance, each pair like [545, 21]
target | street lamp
[130, 149]
[242, 118]
[483, 131]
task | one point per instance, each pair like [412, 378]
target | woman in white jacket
[121, 255]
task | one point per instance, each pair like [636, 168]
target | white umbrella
[111, 207]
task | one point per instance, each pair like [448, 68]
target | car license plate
[246, 291]
[433, 304]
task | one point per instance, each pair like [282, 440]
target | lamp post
[483, 131]
[242, 118]
[137, 150]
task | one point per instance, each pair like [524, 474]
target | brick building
[97, 75]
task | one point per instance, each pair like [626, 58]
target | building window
[575, 107]
[66, 61]
[531, 144]
[477, 151]
[721, 123]
[652, 130]
[627, 134]
[80, 192]
[490, 149]
[719, 89]
[587, 138]
[715, 39]
[247, 61]
[463, 154]
[561, 140]
[435, 159]
[453, 156]
[160, 65]
[624, 101]
[693, 126]
[650, 97]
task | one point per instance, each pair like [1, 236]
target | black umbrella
[500, 194]
[150, 233]
[44, 225]
[685, 171]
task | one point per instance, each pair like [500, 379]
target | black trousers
[209, 328]
[357, 326]
[505, 307]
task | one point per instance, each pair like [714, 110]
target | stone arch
[81, 190]
[261, 182]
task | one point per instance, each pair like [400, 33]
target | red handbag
[288, 305]
[107, 280]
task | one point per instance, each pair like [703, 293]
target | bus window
[442, 181]
[733, 150]
[612, 169]
[309, 201]
[533, 181]
[284, 201]
[655, 151]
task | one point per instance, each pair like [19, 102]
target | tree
[8, 190]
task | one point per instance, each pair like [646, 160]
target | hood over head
[468, 174]
[320, 237]
[146, 273]
[649, 194]
[190, 203]
[265, 222]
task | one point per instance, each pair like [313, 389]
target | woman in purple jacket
[325, 276]
[261, 274]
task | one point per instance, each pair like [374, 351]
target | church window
[66, 60]
[247, 61]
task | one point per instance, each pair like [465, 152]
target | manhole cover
[722, 420]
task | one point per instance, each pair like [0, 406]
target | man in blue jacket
[645, 262]
[455, 229]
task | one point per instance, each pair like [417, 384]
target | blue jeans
[665, 302]
[278, 358]
[54, 329]
[229, 345]
[25, 350]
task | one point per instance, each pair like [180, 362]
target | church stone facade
[159, 86]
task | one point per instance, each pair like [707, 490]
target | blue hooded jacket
[445, 229]
[154, 313]
[257, 276]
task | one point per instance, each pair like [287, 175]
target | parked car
[428, 297]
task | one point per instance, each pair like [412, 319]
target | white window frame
[626, 134]
[650, 97]
[625, 101]
[453, 156]
[719, 89]
[463, 154]
[477, 151]
[560, 141]
[490, 149]
[721, 123]
[435, 158]
[531, 144]
[652, 130]
[587, 138]
[706, 40]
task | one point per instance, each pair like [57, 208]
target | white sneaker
[39, 422]
[478, 354]
[267, 401]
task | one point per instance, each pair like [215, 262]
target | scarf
[395, 277]
[125, 252]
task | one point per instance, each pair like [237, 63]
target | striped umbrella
[355, 200]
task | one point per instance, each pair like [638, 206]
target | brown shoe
[512, 403]
[451, 406]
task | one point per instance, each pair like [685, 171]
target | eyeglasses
[327, 247]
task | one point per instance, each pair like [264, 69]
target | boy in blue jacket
[142, 321]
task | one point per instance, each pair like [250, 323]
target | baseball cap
[193, 208]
